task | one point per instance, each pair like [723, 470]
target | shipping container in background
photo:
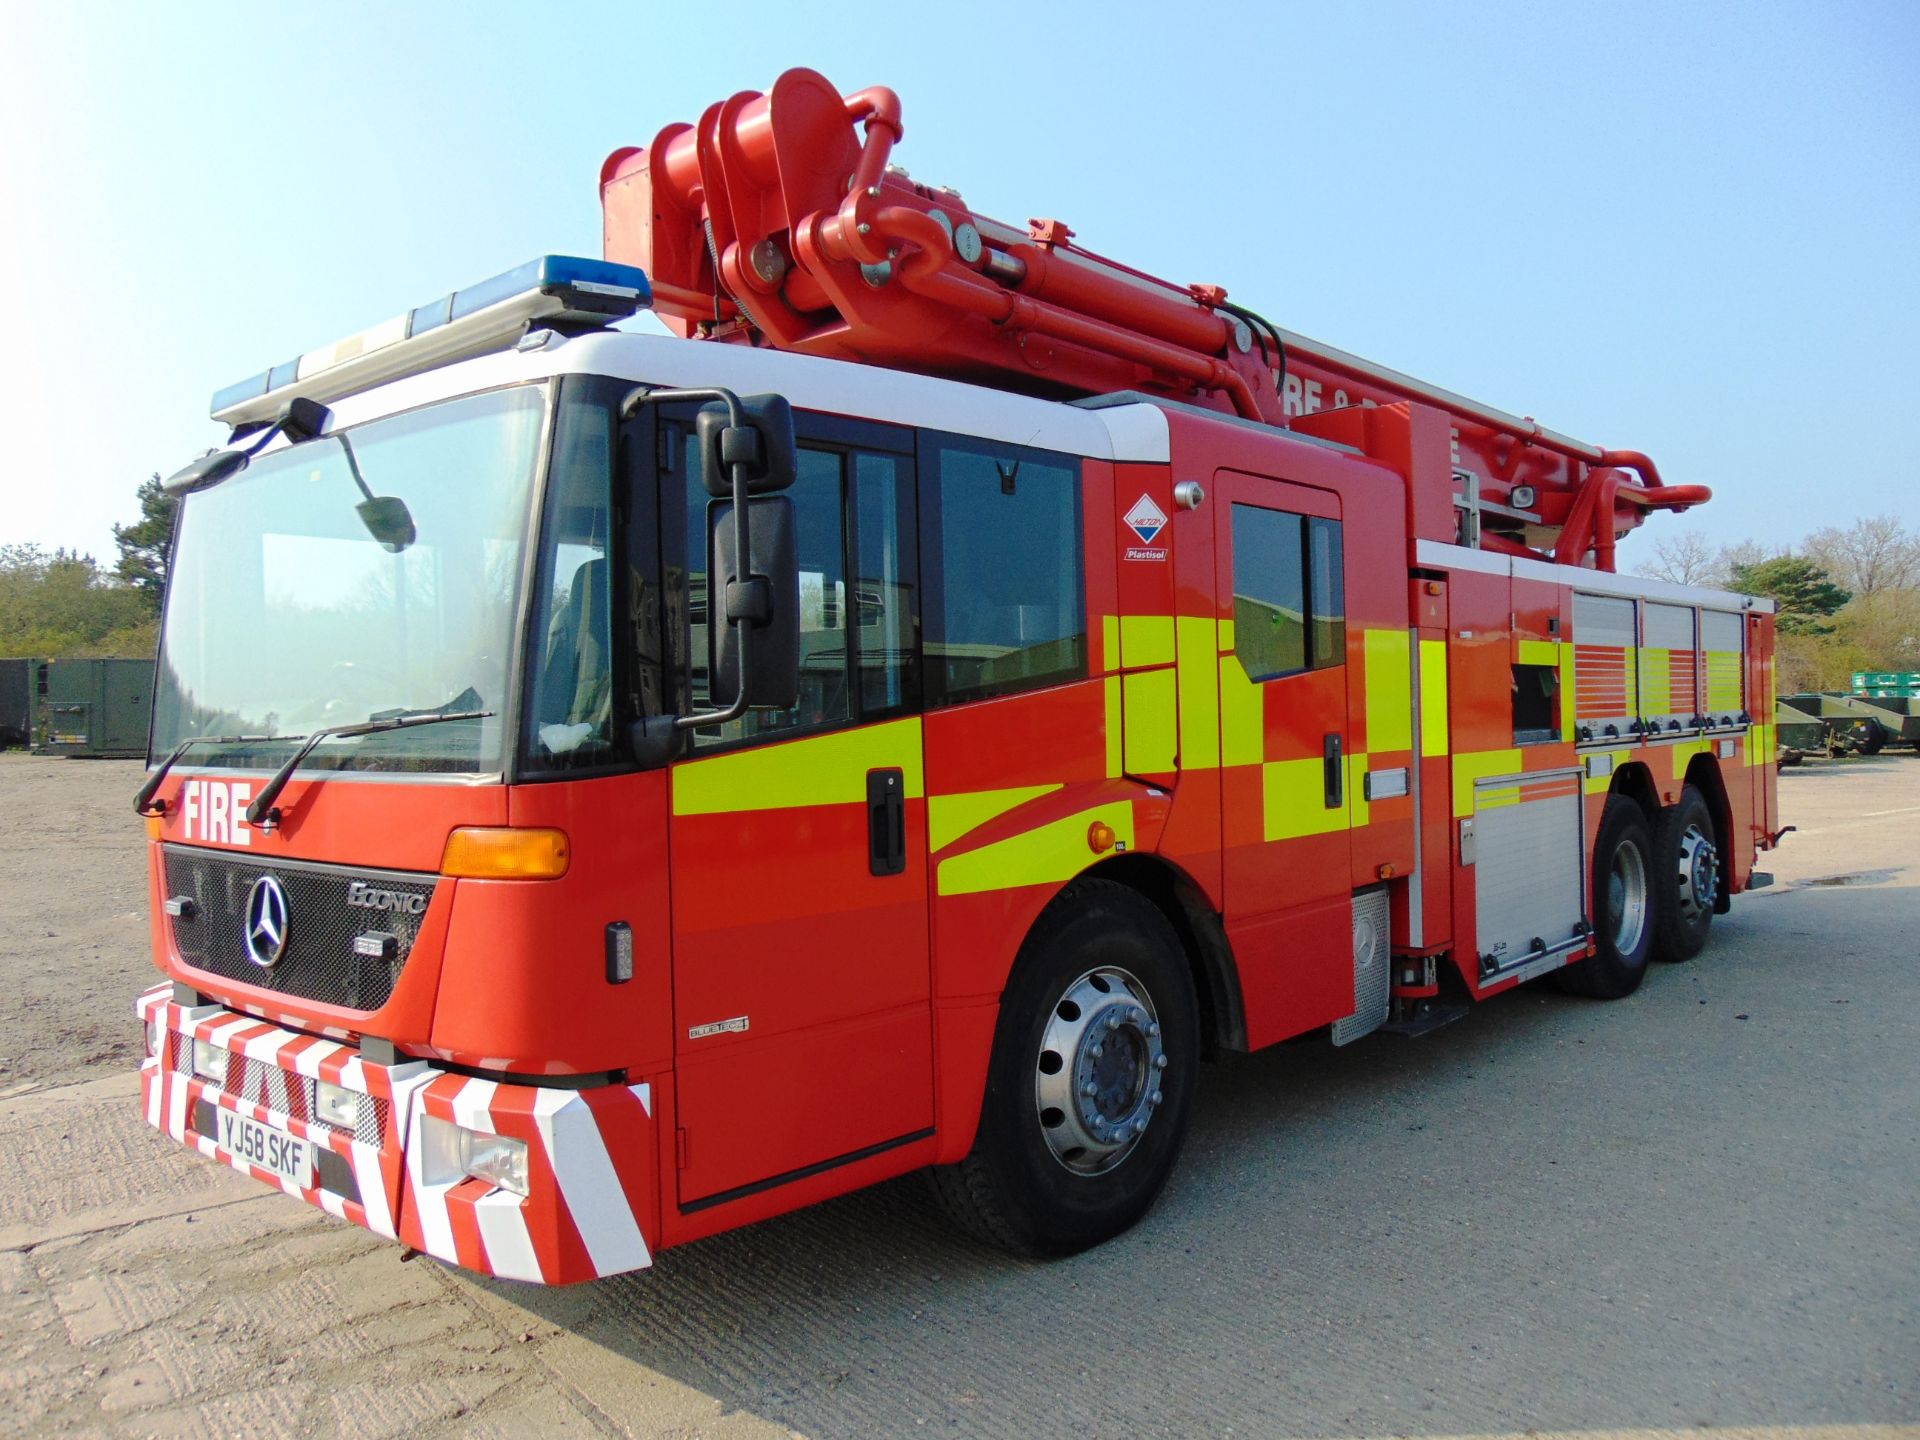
[97, 709]
[19, 686]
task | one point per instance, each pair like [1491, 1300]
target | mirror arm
[641, 395]
[739, 706]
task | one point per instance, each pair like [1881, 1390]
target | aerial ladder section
[779, 220]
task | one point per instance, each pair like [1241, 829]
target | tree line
[1849, 599]
[55, 603]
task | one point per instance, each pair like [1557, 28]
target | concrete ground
[1693, 1210]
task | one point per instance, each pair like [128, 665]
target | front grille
[319, 962]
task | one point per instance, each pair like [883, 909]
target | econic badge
[1146, 520]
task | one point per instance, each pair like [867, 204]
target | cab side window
[1006, 605]
[854, 531]
[1289, 602]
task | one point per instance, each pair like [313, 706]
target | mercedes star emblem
[266, 922]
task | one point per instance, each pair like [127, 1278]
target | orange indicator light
[478, 852]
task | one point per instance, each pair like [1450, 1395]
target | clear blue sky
[1688, 229]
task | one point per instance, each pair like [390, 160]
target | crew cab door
[1286, 780]
[802, 1028]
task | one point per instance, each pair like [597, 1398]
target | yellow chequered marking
[1116, 761]
[1540, 652]
[1656, 681]
[951, 816]
[1601, 784]
[1149, 738]
[1433, 697]
[1146, 640]
[1684, 752]
[1358, 811]
[1567, 687]
[1242, 716]
[1293, 797]
[1475, 765]
[1046, 855]
[820, 770]
[1199, 680]
[1110, 642]
[1723, 679]
[1389, 690]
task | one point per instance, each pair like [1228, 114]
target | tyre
[1623, 906]
[1686, 877]
[1093, 1067]
[1869, 736]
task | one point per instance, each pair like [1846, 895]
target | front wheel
[1092, 1072]
[1623, 907]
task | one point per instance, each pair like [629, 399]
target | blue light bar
[563, 289]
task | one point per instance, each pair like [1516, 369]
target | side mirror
[764, 443]
[763, 594]
[210, 469]
[388, 520]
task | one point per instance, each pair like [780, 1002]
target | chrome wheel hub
[1627, 898]
[1096, 1081]
[1699, 875]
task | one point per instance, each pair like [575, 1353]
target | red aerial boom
[775, 221]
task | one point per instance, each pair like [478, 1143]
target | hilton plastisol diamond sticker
[1146, 519]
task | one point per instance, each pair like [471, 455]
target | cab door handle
[886, 822]
[1334, 771]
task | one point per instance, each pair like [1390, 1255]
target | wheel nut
[1097, 1051]
[1155, 1098]
[1159, 1062]
[1140, 1127]
[1088, 1090]
[1153, 1031]
[1113, 1021]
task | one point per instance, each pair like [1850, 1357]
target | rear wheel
[1623, 907]
[1686, 877]
[1092, 1072]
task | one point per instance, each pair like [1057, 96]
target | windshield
[285, 614]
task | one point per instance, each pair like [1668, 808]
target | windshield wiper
[265, 814]
[143, 803]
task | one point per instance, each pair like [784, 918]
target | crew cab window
[854, 533]
[1006, 606]
[1289, 602]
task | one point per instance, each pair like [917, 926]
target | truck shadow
[1544, 1215]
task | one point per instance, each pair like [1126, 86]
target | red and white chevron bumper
[589, 1153]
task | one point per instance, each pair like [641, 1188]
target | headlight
[337, 1105]
[156, 1036]
[209, 1060]
[495, 1158]
[452, 1152]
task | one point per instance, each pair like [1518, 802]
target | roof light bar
[488, 316]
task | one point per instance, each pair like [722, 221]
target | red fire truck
[609, 788]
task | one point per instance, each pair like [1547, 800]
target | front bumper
[590, 1153]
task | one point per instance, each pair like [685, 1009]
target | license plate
[287, 1156]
